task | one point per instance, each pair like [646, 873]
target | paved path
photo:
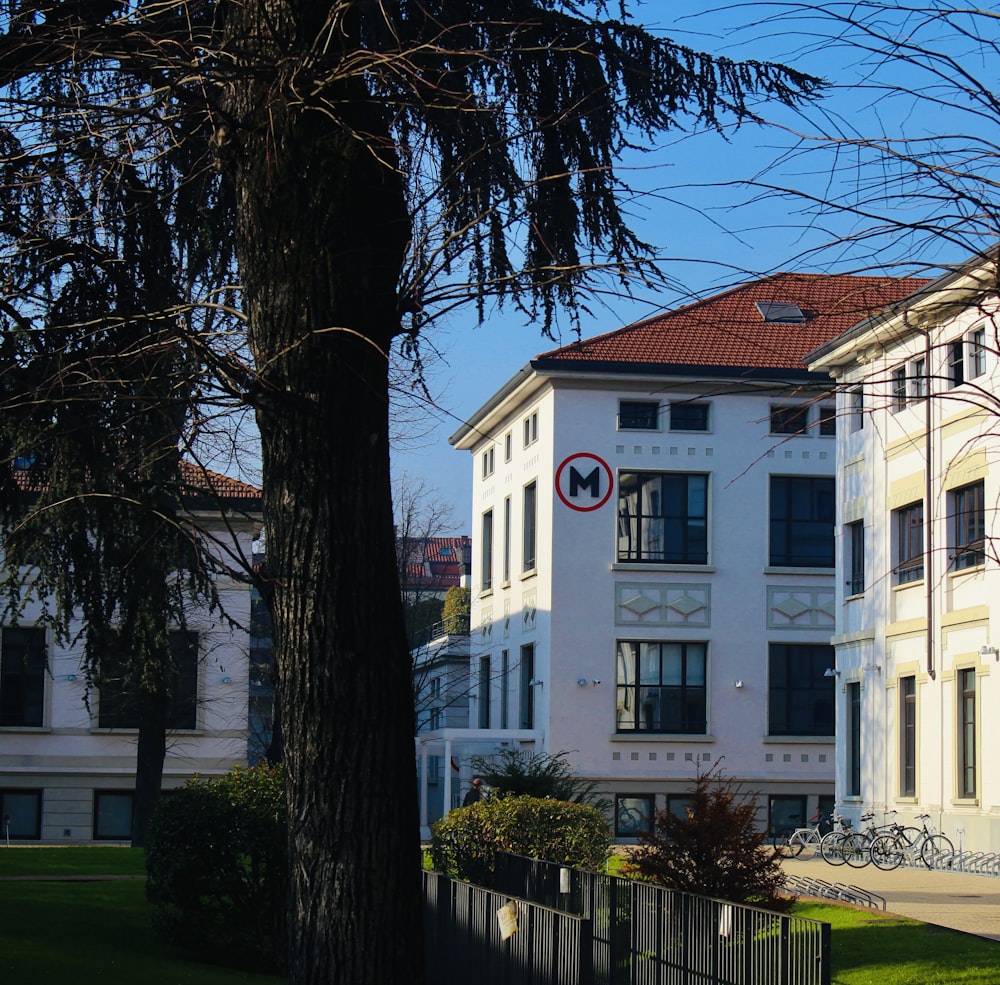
[949, 899]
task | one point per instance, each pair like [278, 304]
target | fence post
[826, 954]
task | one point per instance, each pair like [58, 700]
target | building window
[120, 703]
[663, 517]
[968, 526]
[909, 532]
[956, 362]
[800, 695]
[22, 676]
[486, 569]
[531, 429]
[638, 415]
[966, 732]
[21, 811]
[918, 379]
[977, 352]
[113, 815]
[854, 739]
[856, 406]
[529, 527]
[661, 687]
[785, 813]
[489, 459]
[508, 446]
[827, 421]
[789, 419]
[908, 736]
[856, 561]
[483, 692]
[801, 521]
[504, 689]
[898, 389]
[506, 540]
[527, 703]
[689, 416]
[633, 815]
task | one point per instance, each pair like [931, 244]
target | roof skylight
[779, 311]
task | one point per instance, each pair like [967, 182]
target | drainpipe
[928, 514]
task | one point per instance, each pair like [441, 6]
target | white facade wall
[931, 629]
[578, 601]
[70, 758]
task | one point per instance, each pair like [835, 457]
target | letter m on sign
[591, 482]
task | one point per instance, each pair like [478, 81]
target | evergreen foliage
[456, 610]
[217, 867]
[465, 842]
[716, 848]
[520, 772]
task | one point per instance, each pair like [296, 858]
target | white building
[918, 608]
[653, 581]
[67, 772]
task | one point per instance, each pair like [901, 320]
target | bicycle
[801, 837]
[831, 844]
[858, 852]
[888, 851]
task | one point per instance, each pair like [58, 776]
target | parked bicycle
[889, 851]
[831, 846]
[800, 838]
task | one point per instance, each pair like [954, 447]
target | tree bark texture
[322, 228]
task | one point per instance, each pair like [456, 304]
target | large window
[22, 676]
[120, 699]
[801, 521]
[633, 815]
[486, 567]
[966, 680]
[909, 534]
[968, 526]
[529, 527]
[661, 687]
[800, 695]
[113, 815]
[854, 739]
[689, 416]
[663, 517]
[21, 811]
[908, 736]
[855, 544]
[638, 415]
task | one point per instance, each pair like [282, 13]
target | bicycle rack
[822, 889]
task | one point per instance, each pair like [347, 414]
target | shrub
[216, 866]
[465, 842]
[517, 772]
[716, 849]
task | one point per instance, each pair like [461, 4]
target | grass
[871, 947]
[66, 928]
[90, 932]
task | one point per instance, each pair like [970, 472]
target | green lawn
[97, 932]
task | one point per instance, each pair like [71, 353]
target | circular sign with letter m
[584, 482]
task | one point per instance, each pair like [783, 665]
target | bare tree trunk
[322, 231]
[151, 750]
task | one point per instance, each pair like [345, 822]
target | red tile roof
[728, 330]
[436, 562]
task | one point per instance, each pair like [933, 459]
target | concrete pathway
[949, 899]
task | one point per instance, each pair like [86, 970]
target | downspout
[928, 513]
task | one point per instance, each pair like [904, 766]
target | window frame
[856, 407]
[685, 407]
[486, 553]
[787, 701]
[908, 735]
[899, 388]
[917, 380]
[855, 584]
[508, 446]
[956, 362]
[908, 529]
[685, 700]
[826, 420]
[853, 746]
[483, 691]
[644, 805]
[645, 419]
[531, 429]
[505, 560]
[489, 462]
[529, 527]
[967, 526]
[526, 706]
[789, 419]
[967, 713]
[976, 361]
[787, 526]
[29, 793]
[116, 834]
[675, 530]
[24, 660]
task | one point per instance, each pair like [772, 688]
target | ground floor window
[785, 813]
[113, 815]
[633, 815]
[21, 813]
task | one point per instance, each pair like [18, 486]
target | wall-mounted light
[989, 651]
[582, 682]
[70, 678]
[831, 672]
[738, 684]
[227, 680]
[596, 681]
[535, 682]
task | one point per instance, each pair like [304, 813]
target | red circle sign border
[603, 464]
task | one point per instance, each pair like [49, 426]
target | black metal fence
[463, 943]
[647, 935]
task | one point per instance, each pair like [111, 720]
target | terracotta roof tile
[729, 330]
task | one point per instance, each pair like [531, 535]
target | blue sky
[709, 228]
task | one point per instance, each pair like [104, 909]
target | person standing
[475, 793]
